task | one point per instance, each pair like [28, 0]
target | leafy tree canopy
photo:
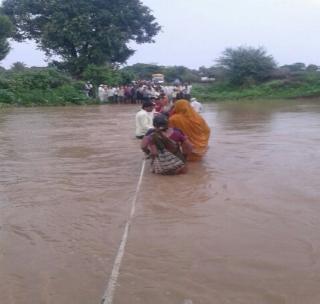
[83, 32]
[5, 32]
[182, 73]
[144, 70]
[246, 65]
[295, 67]
[312, 68]
[171, 73]
[106, 75]
[18, 67]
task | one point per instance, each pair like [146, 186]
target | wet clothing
[197, 106]
[143, 122]
[192, 125]
[166, 151]
[176, 135]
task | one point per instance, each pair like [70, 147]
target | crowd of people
[172, 131]
[169, 124]
[139, 91]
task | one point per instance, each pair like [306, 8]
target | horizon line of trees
[21, 85]
[236, 68]
[91, 37]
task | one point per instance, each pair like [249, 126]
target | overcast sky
[195, 32]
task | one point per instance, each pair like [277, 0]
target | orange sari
[186, 119]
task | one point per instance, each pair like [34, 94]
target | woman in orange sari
[186, 119]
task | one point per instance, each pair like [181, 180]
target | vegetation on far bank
[39, 87]
[22, 86]
[248, 73]
[274, 89]
[48, 86]
[84, 43]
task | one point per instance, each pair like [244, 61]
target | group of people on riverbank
[173, 135]
[139, 91]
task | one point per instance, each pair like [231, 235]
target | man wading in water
[144, 119]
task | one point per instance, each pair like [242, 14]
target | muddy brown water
[242, 227]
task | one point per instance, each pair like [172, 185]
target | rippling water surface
[242, 227]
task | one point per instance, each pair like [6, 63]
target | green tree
[101, 75]
[106, 75]
[215, 72]
[182, 73]
[83, 32]
[5, 32]
[171, 73]
[18, 67]
[246, 65]
[312, 68]
[144, 70]
[296, 67]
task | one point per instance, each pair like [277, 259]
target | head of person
[183, 107]
[179, 96]
[148, 105]
[160, 122]
[156, 100]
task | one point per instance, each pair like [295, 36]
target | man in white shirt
[110, 94]
[144, 119]
[197, 106]
[101, 92]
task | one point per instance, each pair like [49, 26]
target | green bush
[40, 86]
[246, 65]
[38, 79]
[70, 94]
[4, 83]
[63, 95]
[6, 96]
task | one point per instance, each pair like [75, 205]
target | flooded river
[242, 227]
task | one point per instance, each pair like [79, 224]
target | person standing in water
[197, 106]
[185, 118]
[168, 147]
[144, 119]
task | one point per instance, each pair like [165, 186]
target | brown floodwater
[242, 227]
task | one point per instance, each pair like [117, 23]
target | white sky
[195, 32]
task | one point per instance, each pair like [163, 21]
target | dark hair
[147, 103]
[180, 95]
[160, 121]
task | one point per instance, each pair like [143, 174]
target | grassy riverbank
[276, 89]
[50, 87]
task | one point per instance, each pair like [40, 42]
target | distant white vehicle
[158, 78]
[207, 79]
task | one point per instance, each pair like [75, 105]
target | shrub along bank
[298, 87]
[39, 86]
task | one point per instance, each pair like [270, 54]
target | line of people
[172, 136]
[139, 91]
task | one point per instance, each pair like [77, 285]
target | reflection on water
[240, 227]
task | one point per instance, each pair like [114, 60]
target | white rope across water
[109, 293]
